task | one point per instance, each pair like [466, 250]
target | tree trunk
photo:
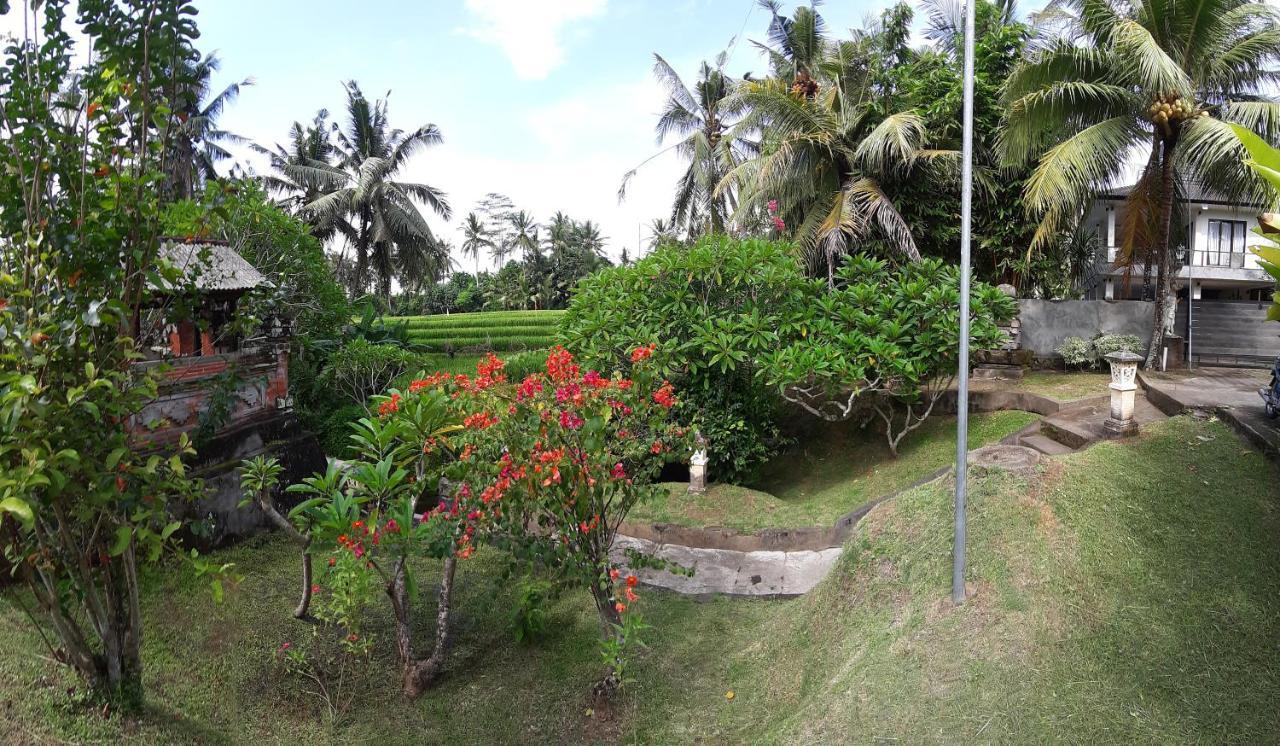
[420, 675]
[303, 540]
[1164, 291]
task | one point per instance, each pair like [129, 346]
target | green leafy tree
[81, 193]
[883, 344]
[714, 307]
[1163, 78]
[376, 214]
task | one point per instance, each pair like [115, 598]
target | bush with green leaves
[1105, 344]
[358, 369]
[1076, 352]
[714, 308]
[883, 343]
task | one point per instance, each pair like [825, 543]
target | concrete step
[1044, 444]
[1070, 431]
[998, 372]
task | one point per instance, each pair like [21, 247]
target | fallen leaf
[729, 695]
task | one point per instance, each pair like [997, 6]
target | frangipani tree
[1265, 162]
[1160, 78]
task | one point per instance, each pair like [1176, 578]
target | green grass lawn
[1063, 385]
[831, 472]
[1129, 593]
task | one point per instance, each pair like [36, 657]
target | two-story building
[1222, 292]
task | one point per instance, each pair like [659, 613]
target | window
[1226, 241]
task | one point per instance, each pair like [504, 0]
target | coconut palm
[1139, 76]
[661, 231]
[198, 144]
[832, 141]
[523, 236]
[475, 236]
[586, 237]
[309, 145]
[703, 118]
[376, 214]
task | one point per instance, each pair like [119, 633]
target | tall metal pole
[962, 405]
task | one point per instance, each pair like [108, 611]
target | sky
[548, 102]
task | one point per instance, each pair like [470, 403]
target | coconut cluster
[1171, 108]
[804, 85]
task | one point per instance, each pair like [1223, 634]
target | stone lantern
[698, 466]
[1124, 373]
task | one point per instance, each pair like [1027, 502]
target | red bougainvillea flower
[613, 573]
[358, 550]
[315, 588]
[560, 365]
[643, 353]
[528, 387]
[619, 472]
[773, 206]
[632, 580]
[666, 396]
[491, 367]
[779, 223]
[656, 448]
[570, 420]
[389, 406]
[631, 596]
[392, 526]
[479, 421]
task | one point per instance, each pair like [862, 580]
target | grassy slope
[1131, 593]
[832, 472]
[1063, 386]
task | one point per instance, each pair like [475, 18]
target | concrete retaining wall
[1046, 323]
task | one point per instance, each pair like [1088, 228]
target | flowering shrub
[550, 466]
[546, 468]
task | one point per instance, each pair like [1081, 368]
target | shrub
[1076, 352]
[713, 307]
[1105, 344]
[882, 343]
[525, 363]
[358, 369]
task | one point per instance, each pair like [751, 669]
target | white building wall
[1200, 240]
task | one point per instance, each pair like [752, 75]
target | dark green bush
[712, 308]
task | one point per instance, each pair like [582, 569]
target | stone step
[1044, 444]
[998, 372]
[1068, 431]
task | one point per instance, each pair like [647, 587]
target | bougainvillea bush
[545, 468]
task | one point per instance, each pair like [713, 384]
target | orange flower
[620, 607]
[613, 573]
[631, 596]
[93, 108]
[632, 580]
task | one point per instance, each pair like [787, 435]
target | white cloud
[529, 32]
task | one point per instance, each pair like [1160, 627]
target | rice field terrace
[499, 331]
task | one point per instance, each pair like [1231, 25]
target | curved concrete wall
[1045, 323]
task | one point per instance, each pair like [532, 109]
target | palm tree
[832, 141]
[309, 145]
[198, 144]
[660, 231]
[1161, 78]
[524, 235]
[376, 214]
[586, 237]
[703, 118]
[475, 236]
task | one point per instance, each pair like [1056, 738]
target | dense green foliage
[82, 187]
[713, 308]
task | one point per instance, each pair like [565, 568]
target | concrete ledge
[760, 574]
